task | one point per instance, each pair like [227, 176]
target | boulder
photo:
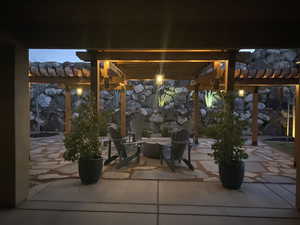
[148, 92]
[181, 120]
[53, 91]
[44, 100]
[138, 88]
[261, 106]
[144, 111]
[169, 106]
[263, 117]
[149, 87]
[156, 118]
[134, 97]
[182, 110]
[249, 98]
[203, 112]
[180, 90]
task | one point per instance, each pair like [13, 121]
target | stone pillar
[196, 115]
[15, 142]
[123, 112]
[254, 117]
[68, 109]
[297, 146]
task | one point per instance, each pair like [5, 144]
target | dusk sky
[57, 55]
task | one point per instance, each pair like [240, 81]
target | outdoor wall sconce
[79, 91]
[241, 93]
[159, 79]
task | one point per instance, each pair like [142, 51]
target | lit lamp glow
[298, 62]
[159, 79]
[79, 91]
[241, 93]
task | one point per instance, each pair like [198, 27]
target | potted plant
[83, 144]
[227, 150]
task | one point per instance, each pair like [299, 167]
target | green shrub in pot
[228, 151]
[83, 144]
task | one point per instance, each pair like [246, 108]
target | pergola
[208, 70]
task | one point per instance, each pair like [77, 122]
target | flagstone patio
[264, 164]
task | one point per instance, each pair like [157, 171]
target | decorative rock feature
[181, 120]
[44, 100]
[156, 118]
[138, 88]
[172, 99]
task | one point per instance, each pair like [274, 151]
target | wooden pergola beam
[60, 80]
[161, 56]
[267, 81]
[95, 80]
[68, 109]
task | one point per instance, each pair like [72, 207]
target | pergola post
[297, 146]
[68, 109]
[254, 117]
[229, 72]
[229, 78]
[15, 141]
[196, 114]
[123, 111]
[95, 80]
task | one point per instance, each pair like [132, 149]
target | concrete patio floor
[264, 164]
[155, 202]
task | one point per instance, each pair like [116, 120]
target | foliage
[165, 132]
[104, 120]
[210, 98]
[166, 97]
[228, 134]
[83, 140]
[209, 132]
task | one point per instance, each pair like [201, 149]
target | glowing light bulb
[241, 93]
[159, 79]
[79, 91]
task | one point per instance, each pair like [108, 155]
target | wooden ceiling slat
[244, 73]
[252, 73]
[284, 73]
[237, 73]
[260, 73]
[268, 73]
[276, 73]
[293, 72]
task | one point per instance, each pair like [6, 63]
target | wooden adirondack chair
[126, 151]
[171, 153]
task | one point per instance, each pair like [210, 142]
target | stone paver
[264, 164]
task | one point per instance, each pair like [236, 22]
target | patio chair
[126, 151]
[174, 152]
